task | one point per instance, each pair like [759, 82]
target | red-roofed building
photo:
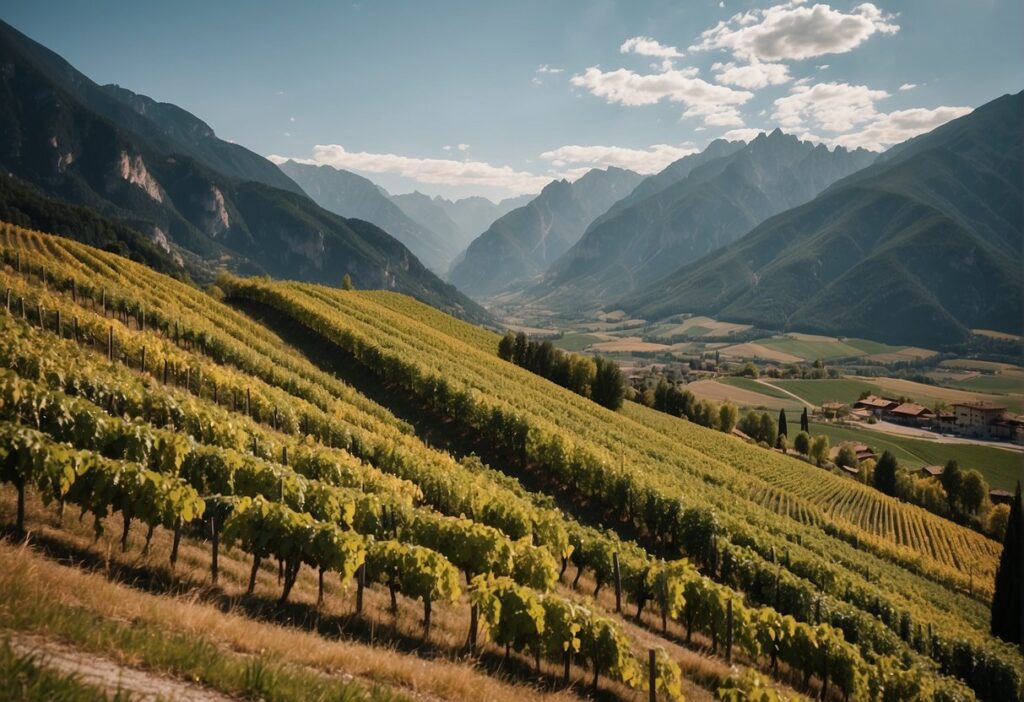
[876, 405]
[911, 413]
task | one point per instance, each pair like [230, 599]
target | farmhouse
[1000, 497]
[862, 451]
[911, 413]
[988, 420]
[876, 405]
[931, 471]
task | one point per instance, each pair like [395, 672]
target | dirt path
[799, 399]
[105, 674]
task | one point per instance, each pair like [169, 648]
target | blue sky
[496, 98]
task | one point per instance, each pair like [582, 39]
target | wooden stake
[110, 343]
[618, 582]
[728, 631]
[652, 676]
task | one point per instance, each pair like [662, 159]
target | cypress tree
[1007, 612]
[804, 424]
[783, 429]
[885, 473]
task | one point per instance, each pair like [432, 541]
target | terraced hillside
[199, 425]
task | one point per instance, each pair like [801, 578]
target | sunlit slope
[246, 399]
[811, 494]
[868, 591]
[698, 470]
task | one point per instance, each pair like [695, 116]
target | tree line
[597, 378]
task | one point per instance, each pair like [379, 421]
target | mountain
[524, 242]
[719, 198]
[350, 195]
[24, 206]
[155, 169]
[475, 214]
[918, 248]
[428, 212]
[167, 129]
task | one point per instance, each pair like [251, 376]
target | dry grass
[628, 344]
[996, 334]
[186, 605]
[910, 353]
[719, 392]
[752, 350]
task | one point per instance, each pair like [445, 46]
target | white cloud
[462, 147]
[544, 68]
[793, 31]
[649, 160]
[834, 107]
[646, 46]
[823, 67]
[716, 104]
[291, 119]
[894, 127]
[745, 134]
[908, 86]
[425, 170]
[753, 76]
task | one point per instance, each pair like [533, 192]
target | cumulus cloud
[908, 86]
[753, 76]
[793, 31]
[745, 134]
[717, 105]
[646, 46]
[894, 127]
[649, 160]
[424, 170]
[835, 107]
[850, 113]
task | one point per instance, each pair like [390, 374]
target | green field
[810, 350]
[576, 341]
[999, 384]
[754, 386]
[1001, 467]
[818, 392]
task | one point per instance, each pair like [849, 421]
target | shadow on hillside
[433, 429]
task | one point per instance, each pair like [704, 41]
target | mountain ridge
[55, 143]
[716, 201]
[524, 242]
[920, 247]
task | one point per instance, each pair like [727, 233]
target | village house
[988, 420]
[876, 405]
[931, 471]
[1000, 497]
[911, 413]
[862, 451]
